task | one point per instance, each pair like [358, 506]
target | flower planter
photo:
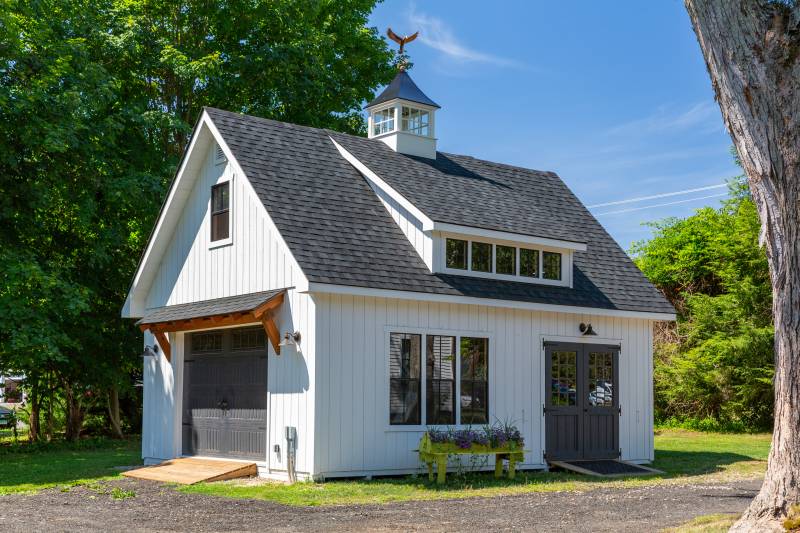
[438, 452]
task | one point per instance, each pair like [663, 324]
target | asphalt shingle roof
[217, 306]
[340, 233]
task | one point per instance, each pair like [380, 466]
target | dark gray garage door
[581, 404]
[225, 393]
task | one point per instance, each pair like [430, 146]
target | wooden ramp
[606, 468]
[190, 470]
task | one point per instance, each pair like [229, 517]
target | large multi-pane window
[453, 382]
[474, 380]
[440, 375]
[503, 260]
[416, 121]
[383, 121]
[405, 358]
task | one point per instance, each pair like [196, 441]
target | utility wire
[660, 205]
[655, 196]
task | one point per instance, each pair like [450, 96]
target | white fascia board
[300, 284]
[427, 223]
[489, 302]
[134, 306]
[468, 231]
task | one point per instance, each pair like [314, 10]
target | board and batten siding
[192, 270]
[352, 425]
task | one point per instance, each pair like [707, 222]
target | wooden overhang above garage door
[221, 312]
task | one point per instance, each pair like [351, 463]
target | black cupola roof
[403, 86]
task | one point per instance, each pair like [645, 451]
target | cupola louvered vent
[219, 155]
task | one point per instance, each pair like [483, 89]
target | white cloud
[703, 116]
[436, 34]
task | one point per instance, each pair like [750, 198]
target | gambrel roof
[340, 233]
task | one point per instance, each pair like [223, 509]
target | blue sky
[613, 96]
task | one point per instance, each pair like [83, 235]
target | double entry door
[582, 401]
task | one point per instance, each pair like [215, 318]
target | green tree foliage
[97, 100]
[718, 362]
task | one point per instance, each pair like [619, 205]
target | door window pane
[440, 379]
[506, 260]
[405, 359]
[529, 263]
[552, 265]
[456, 254]
[481, 257]
[601, 379]
[474, 380]
[563, 378]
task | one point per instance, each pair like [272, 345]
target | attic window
[415, 121]
[219, 155]
[383, 121]
[220, 211]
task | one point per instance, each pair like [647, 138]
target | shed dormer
[403, 117]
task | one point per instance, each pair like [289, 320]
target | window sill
[220, 243]
[423, 429]
[505, 277]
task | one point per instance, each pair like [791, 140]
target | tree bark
[752, 51]
[75, 413]
[34, 426]
[113, 412]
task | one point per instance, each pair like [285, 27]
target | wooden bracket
[268, 320]
[163, 341]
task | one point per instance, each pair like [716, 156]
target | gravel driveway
[157, 507]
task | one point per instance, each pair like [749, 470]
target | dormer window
[415, 121]
[383, 121]
[505, 260]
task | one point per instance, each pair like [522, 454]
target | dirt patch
[134, 505]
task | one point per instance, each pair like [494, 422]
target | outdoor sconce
[586, 329]
[290, 339]
[150, 351]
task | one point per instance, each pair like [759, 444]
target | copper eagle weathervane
[402, 41]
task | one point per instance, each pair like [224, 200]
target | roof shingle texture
[340, 233]
[217, 306]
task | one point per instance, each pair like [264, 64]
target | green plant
[122, 494]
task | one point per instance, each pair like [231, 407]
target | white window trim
[372, 123]
[419, 110]
[458, 334]
[230, 179]
[566, 261]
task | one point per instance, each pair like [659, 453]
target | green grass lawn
[26, 468]
[682, 455]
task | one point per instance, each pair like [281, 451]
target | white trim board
[489, 302]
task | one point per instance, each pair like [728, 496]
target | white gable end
[181, 264]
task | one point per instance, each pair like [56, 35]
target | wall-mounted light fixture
[150, 351]
[586, 329]
[290, 339]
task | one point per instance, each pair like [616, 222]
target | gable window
[383, 121]
[404, 379]
[415, 121]
[506, 260]
[481, 257]
[220, 211]
[528, 263]
[452, 382]
[474, 380]
[456, 254]
[552, 265]
[440, 379]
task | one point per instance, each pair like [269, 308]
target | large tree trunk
[113, 412]
[752, 50]
[34, 426]
[75, 413]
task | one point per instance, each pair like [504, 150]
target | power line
[660, 205]
[655, 196]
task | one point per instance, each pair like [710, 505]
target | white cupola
[403, 117]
